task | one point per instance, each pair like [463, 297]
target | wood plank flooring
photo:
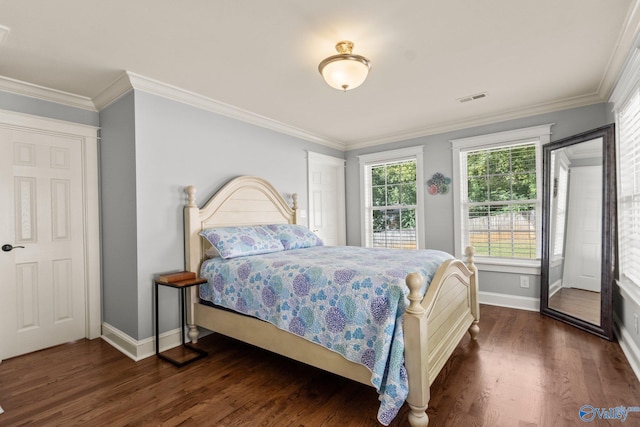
[579, 303]
[525, 370]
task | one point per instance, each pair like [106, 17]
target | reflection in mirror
[575, 222]
[578, 230]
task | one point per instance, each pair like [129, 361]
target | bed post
[474, 329]
[415, 342]
[192, 255]
[294, 196]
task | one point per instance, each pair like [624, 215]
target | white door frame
[88, 137]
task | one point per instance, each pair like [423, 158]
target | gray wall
[118, 215]
[38, 107]
[625, 306]
[156, 147]
[555, 273]
[439, 229]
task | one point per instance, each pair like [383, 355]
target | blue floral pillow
[234, 242]
[294, 236]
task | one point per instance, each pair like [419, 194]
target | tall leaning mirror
[578, 230]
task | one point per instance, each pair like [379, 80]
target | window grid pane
[501, 201]
[393, 217]
[388, 231]
[496, 232]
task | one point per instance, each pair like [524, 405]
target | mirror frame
[609, 261]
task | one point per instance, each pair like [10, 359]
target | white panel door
[326, 199]
[584, 225]
[42, 291]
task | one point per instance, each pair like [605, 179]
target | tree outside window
[392, 198]
[501, 201]
[393, 195]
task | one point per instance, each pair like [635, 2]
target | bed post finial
[191, 196]
[294, 196]
[469, 252]
[414, 282]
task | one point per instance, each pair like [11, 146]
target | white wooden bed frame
[434, 323]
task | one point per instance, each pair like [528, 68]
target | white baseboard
[555, 287]
[628, 345]
[135, 349]
[510, 301]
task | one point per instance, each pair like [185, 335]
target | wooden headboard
[245, 200]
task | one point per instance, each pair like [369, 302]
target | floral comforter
[347, 299]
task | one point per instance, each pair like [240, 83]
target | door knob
[8, 247]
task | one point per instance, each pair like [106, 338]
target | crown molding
[40, 92]
[129, 80]
[118, 88]
[565, 104]
[625, 45]
[628, 78]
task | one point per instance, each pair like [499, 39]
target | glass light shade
[345, 72]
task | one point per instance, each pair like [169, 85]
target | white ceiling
[261, 57]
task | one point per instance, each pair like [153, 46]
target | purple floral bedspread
[347, 299]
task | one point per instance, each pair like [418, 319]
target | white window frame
[560, 191]
[368, 160]
[539, 135]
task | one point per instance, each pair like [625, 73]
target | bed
[433, 322]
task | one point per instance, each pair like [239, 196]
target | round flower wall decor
[438, 184]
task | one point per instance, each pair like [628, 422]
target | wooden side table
[181, 281]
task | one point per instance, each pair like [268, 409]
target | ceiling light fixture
[346, 70]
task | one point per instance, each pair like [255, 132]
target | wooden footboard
[435, 324]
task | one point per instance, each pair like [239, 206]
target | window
[500, 205]
[626, 100]
[629, 197]
[497, 195]
[392, 199]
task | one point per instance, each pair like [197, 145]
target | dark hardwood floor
[525, 370]
[579, 303]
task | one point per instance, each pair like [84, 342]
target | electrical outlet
[524, 282]
[635, 322]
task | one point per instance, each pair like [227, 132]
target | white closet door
[327, 216]
[584, 224]
[42, 291]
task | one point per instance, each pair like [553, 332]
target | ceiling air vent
[472, 97]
